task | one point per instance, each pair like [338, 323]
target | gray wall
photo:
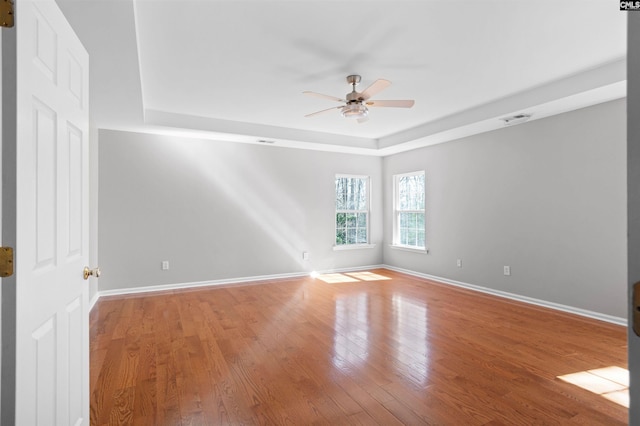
[546, 198]
[220, 210]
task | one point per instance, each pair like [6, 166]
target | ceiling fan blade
[322, 112]
[320, 95]
[375, 87]
[396, 104]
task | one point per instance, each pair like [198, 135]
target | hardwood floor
[370, 351]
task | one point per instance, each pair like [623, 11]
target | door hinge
[6, 261]
[636, 308]
[6, 13]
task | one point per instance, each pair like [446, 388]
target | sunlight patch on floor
[350, 277]
[368, 276]
[336, 278]
[611, 383]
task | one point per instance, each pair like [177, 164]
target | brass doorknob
[90, 272]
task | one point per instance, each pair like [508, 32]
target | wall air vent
[516, 119]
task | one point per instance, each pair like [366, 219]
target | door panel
[52, 219]
[44, 345]
[44, 141]
[76, 377]
[73, 187]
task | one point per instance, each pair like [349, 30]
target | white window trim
[353, 247]
[410, 248]
[368, 212]
[396, 215]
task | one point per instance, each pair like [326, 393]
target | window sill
[409, 248]
[353, 247]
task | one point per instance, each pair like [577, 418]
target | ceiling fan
[357, 103]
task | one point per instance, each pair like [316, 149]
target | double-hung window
[352, 210]
[409, 210]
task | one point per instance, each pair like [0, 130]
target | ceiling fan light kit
[355, 110]
[356, 103]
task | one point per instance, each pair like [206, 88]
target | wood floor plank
[145, 406]
[302, 351]
[122, 410]
[103, 390]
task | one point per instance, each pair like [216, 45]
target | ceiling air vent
[516, 119]
[266, 141]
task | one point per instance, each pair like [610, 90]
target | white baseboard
[517, 297]
[357, 268]
[93, 301]
[212, 283]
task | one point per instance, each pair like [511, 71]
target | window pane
[341, 220]
[351, 220]
[341, 237]
[409, 220]
[411, 192]
[341, 194]
[360, 194]
[404, 194]
[403, 236]
[411, 237]
[351, 193]
[362, 220]
[351, 235]
[362, 236]
[404, 220]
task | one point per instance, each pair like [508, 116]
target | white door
[52, 338]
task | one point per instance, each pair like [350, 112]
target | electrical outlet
[165, 265]
[507, 270]
[305, 255]
[459, 263]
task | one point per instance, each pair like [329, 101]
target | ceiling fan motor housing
[353, 79]
[353, 96]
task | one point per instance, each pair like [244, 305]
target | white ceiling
[236, 70]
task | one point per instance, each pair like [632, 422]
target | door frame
[8, 289]
[633, 206]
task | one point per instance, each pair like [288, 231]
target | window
[352, 210]
[409, 211]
